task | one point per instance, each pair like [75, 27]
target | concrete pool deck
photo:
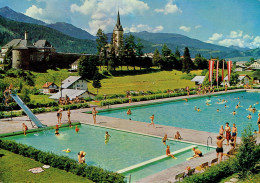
[194, 136]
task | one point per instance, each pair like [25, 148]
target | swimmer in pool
[234, 112]
[249, 116]
[217, 110]
[107, 136]
[164, 139]
[129, 112]
[67, 150]
[77, 129]
[168, 152]
[198, 109]
[195, 108]
[57, 130]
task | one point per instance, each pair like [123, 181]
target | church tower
[118, 34]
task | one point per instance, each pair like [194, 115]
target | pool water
[123, 149]
[182, 114]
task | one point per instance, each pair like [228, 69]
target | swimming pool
[182, 114]
[123, 149]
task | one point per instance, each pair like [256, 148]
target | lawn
[254, 178]
[14, 168]
[144, 82]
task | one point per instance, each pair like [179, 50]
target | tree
[187, 62]
[25, 94]
[87, 67]
[234, 78]
[130, 47]
[166, 51]
[200, 62]
[101, 41]
[113, 61]
[256, 75]
[156, 58]
[139, 52]
[177, 53]
[96, 81]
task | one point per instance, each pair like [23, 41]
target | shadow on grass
[1, 155]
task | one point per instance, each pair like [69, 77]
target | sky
[222, 22]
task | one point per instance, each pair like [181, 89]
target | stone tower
[118, 34]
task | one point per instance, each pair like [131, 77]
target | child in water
[77, 129]
[107, 136]
[57, 130]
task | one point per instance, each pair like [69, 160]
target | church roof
[12, 43]
[118, 26]
[42, 44]
[24, 44]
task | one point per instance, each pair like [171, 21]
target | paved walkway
[133, 126]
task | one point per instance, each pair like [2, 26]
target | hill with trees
[10, 29]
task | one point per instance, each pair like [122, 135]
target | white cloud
[34, 11]
[236, 34]
[198, 26]
[247, 36]
[143, 27]
[169, 8]
[215, 36]
[185, 28]
[103, 13]
[234, 42]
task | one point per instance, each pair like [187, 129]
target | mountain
[238, 48]
[13, 15]
[71, 30]
[10, 30]
[65, 28]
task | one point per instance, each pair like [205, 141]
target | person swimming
[195, 108]
[234, 112]
[249, 116]
[81, 157]
[198, 109]
[67, 150]
[77, 129]
[57, 130]
[217, 110]
[129, 112]
[107, 136]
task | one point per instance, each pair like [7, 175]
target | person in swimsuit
[168, 152]
[195, 108]
[228, 130]
[59, 116]
[221, 131]
[226, 87]
[234, 112]
[217, 110]
[69, 118]
[130, 99]
[25, 128]
[198, 109]
[254, 110]
[77, 129]
[234, 133]
[177, 135]
[219, 149]
[258, 122]
[129, 112]
[164, 139]
[225, 106]
[107, 136]
[249, 116]
[152, 122]
[197, 153]
[94, 113]
[81, 157]
[57, 130]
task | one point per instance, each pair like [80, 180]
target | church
[118, 34]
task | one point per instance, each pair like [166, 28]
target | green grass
[14, 168]
[255, 178]
[40, 99]
[145, 82]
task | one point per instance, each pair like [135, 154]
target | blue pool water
[123, 149]
[182, 114]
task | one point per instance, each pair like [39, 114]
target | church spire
[118, 19]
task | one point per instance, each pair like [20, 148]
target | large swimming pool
[123, 149]
[182, 114]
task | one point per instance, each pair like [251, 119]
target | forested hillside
[10, 29]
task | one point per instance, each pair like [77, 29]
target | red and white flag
[229, 66]
[217, 71]
[211, 68]
[223, 70]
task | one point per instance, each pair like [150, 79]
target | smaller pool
[123, 149]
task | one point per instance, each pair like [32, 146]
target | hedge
[95, 174]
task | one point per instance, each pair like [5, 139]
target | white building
[255, 65]
[198, 80]
[75, 82]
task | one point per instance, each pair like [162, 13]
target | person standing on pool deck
[221, 131]
[59, 116]
[228, 130]
[130, 99]
[69, 113]
[220, 147]
[152, 118]
[168, 152]
[94, 113]
[226, 87]
[234, 133]
[25, 128]
[258, 122]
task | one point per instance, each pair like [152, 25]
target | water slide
[27, 111]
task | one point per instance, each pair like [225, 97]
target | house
[72, 94]
[225, 81]
[198, 80]
[243, 79]
[240, 68]
[74, 82]
[50, 87]
[255, 65]
[74, 66]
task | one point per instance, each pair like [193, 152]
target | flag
[217, 71]
[211, 68]
[229, 65]
[223, 70]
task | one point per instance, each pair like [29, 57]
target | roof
[47, 84]
[24, 44]
[42, 44]
[69, 81]
[198, 79]
[71, 93]
[76, 62]
[12, 43]
[242, 76]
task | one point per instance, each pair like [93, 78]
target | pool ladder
[128, 179]
[209, 137]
